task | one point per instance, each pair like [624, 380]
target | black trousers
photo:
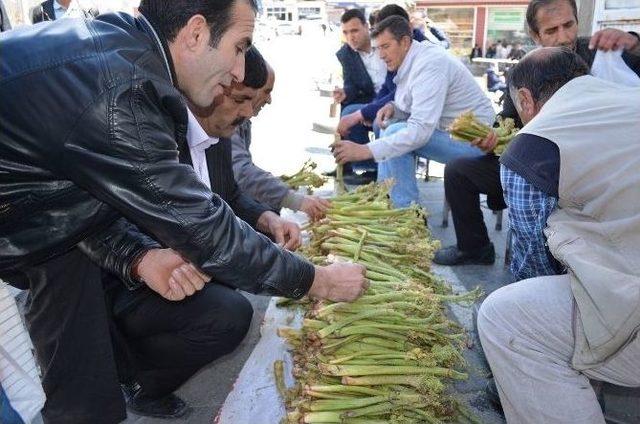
[160, 344]
[464, 180]
[72, 326]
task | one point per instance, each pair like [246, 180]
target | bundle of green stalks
[387, 357]
[467, 128]
[305, 177]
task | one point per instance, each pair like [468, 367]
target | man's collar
[162, 45]
[197, 138]
[57, 6]
[405, 66]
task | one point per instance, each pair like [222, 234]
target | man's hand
[166, 273]
[339, 95]
[315, 207]
[614, 39]
[384, 114]
[486, 144]
[339, 282]
[285, 233]
[349, 121]
[347, 151]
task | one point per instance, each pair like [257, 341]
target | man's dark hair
[373, 18]
[255, 69]
[168, 17]
[391, 10]
[535, 5]
[544, 71]
[397, 26]
[351, 14]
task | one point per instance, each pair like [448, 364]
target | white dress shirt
[376, 68]
[433, 88]
[199, 141]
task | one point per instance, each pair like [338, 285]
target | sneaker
[453, 256]
[169, 406]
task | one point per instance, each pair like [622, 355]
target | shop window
[456, 22]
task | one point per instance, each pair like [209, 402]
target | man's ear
[406, 42]
[195, 34]
[534, 36]
[527, 102]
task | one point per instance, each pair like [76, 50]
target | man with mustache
[162, 344]
[552, 23]
[263, 185]
[92, 116]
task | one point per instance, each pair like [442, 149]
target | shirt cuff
[292, 201]
[380, 149]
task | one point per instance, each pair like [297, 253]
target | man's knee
[242, 312]
[495, 312]
[455, 170]
[222, 321]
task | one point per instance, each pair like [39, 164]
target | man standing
[96, 139]
[363, 73]
[551, 23]
[51, 10]
[5, 25]
[258, 183]
[545, 337]
[433, 88]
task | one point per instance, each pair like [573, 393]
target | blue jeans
[358, 134]
[7, 413]
[440, 148]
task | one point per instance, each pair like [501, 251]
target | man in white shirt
[433, 88]
[208, 136]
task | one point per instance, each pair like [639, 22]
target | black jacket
[90, 127]
[358, 86]
[118, 248]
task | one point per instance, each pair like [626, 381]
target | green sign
[506, 19]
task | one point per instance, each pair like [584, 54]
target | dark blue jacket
[358, 86]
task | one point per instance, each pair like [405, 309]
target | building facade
[481, 22]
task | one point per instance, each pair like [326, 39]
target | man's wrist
[265, 221]
[318, 286]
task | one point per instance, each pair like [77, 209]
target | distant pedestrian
[475, 52]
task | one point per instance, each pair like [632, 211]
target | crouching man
[546, 337]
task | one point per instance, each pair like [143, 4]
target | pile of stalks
[305, 177]
[467, 128]
[387, 357]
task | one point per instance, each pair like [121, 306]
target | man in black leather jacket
[91, 120]
[161, 344]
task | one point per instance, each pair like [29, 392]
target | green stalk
[361, 370]
[363, 315]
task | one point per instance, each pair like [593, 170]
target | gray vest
[595, 232]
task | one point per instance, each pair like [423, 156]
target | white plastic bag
[18, 371]
[611, 67]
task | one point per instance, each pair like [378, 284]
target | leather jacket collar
[147, 25]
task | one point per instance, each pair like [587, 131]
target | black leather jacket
[89, 126]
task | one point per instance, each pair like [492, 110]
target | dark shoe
[169, 406]
[334, 173]
[453, 256]
[492, 394]
[360, 179]
[331, 174]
